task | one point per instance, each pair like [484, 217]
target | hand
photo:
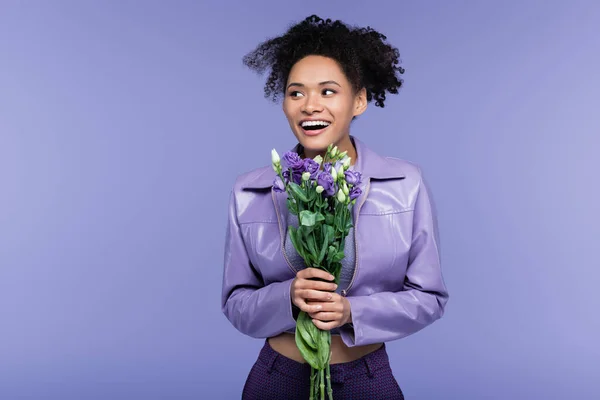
[334, 313]
[305, 291]
[328, 310]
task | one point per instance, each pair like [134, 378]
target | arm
[387, 316]
[252, 308]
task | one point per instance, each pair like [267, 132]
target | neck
[345, 144]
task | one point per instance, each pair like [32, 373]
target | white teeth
[315, 123]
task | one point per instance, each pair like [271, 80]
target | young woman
[391, 283]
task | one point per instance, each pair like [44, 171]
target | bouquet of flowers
[321, 192]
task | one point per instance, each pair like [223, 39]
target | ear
[360, 102]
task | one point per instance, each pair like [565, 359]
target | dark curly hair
[364, 56]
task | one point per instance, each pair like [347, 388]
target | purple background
[124, 123]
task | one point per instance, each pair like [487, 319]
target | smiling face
[320, 103]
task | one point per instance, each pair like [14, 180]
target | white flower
[346, 163]
[334, 151]
[341, 196]
[319, 189]
[345, 188]
[274, 157]
[318, 159]
[334, 173]
[306, 176]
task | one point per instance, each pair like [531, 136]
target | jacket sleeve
[387, 316]
[254, 309]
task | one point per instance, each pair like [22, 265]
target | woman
[391, 283]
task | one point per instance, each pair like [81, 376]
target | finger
[318, 285]
[308, 273]
[328, 306]
[325, 326]
[310, 294]
[310, 308]
[326, 316]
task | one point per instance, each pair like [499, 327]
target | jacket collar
[369, 163]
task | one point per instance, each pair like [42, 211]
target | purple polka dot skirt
[276, 377]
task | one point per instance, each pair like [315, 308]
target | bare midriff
[285, 344]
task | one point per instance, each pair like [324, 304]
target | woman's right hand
[304, 289]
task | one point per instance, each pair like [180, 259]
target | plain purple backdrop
[124, 123]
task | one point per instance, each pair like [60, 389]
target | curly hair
[362, 53]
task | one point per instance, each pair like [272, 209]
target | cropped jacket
[397, 288]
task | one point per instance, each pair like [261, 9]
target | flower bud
[306, 176]
[319, 189]
[318, 159]
[345, 188]
[346, 163]
[274, 157]
[334, 173]
[334, 151]
[341, 196]
[275, 161]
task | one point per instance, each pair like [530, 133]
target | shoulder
[257, 178]
[410, 171]
[403, 166]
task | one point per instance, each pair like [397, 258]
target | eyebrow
[320, 84]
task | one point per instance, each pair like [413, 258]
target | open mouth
[313, 126]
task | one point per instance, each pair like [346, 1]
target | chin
[314, 144]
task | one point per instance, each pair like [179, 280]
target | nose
[312, 104]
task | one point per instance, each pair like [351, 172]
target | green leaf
[338, 256]
[324, 348]
[330, 234]
[312, 245]
[331, 251]
[325, 232]
[329, 219]
[310, 218]
[292, 206]
[308, 354]
[338, 221]
[301, 327]
[298, 192]
[293, 232]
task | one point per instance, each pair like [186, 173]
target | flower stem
[329, 389]
[312, 383]
[322, 382]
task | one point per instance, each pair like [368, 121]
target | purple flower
[292, 160]
[311, 166]
[327, 167]
[355, 192]
[326, 180]
[296, 176]
[353, 177]
[278, 184]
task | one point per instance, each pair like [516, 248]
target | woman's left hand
[334, 313]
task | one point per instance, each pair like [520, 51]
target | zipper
[281, 232]
[345, 291]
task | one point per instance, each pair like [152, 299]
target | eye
[325, 92]
[295, 93]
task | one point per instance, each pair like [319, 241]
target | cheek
[289, 108]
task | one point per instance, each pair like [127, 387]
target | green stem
[316, 388]
[322, 383]
[312, 383]
[329, 389]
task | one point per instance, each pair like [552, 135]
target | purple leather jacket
[397, 288]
